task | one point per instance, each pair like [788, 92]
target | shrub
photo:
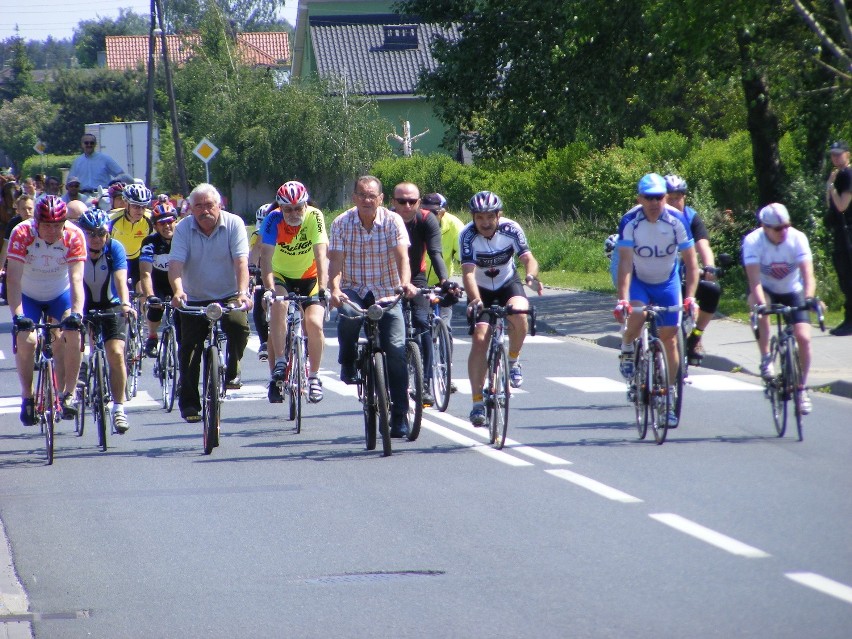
[47, 164]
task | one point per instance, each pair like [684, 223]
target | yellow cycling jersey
[294, 246]
[130, 234]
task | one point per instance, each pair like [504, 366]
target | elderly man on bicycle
[650, 236]
[488, 247]
[780, 270]
[293, 252]
[45, 273]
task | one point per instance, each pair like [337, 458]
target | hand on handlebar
[690, 307]
[534, 283]
[622, 310]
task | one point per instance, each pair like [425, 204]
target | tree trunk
[762, 126]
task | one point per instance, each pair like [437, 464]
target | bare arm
[321, 257]
[531, 269]
[266, 252]
[335, 269]
[75, 276]
[806, 268]
[14, 271]
[471, 290]
[241, 271]
[755, 288]
[625, 270]
[145, 280]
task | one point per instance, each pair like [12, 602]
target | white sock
[627, 348]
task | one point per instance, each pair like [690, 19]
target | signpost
[205, 151]
[40, 147]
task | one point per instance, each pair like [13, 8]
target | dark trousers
[420, 311]
[194, 331]
[843, 265]
[258, 314]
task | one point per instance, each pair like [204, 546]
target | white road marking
[592, 384]
[143, 399]
[253, 343]
[485, 449]
[720, 383]
[822, 584]
[595, 486]
[463, 386]
[709, 536]
[2, 355]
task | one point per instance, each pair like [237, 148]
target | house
[268, 49]
[376, 53]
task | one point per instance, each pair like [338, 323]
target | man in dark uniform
[838, 196]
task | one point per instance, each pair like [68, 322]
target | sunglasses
[402, 200]
[293, 209]
[88, 144]
[656, 198]
[783, 227]
[170, 220]
[97, 234]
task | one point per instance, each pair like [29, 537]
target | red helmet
[292, 194]
[117, 189]
[50, 208]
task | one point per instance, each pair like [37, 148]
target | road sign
[40, 147]
[205, 150]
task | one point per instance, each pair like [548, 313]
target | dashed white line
[709, 536]
[822, 584]
[595, 486]
[485, 449]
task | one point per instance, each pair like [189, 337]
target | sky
[38, 19]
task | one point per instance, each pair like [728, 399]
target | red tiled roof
[260, 49]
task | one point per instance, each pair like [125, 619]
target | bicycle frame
[98, 372]
[295, 382]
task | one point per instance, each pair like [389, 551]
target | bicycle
[214, 365]
[649, 388]
[295, 381]
[372, 376]
[497, 391]
[784, 352]
[414, 362]
[166, 362]
[442, 351]
[96, 390]
[134, 348]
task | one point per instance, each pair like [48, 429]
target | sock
[117, 408]
[477, 398]
[697, 332]
[627, 348]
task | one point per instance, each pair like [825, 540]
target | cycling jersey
[655, 245]
[131, 234]
[494, 258]
[294, 245]
[155, 251]
[779, 263]
[45, 275]
[98, 285]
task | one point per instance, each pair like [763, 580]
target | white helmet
[261, 212]
[609, 245]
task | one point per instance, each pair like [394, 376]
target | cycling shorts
[663, 294]
[790, 299]
[501, 296]
[56, 308]
[308, 286]
[113, 326]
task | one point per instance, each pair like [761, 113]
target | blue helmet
[93, 219]
[675, 184]
[485, 202]
[651, 184]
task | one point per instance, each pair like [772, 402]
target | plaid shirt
[369, 264]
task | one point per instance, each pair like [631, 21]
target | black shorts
[790, 299]
[306, 286]
[113, 326]
[499, 296]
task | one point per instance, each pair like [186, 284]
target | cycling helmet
[485, 202]
[609, 245]
[163, 212]
[261, 213]
[93, 220]
[117, 188]
[291, 194]
[50, 208]
[675, 184]
[138, 194]
[774, 215]
[651, 184]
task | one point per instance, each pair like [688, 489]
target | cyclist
[650, 235]
[708, 293]
[105, 288]
[293, 257]
[116, 196]
[451, 227]
[132, 225]
[259, 312]
[368, 260]
[45, 272]
[780, 270]
[424, 233]
[489, 245]
[209, 263]
[154, 270]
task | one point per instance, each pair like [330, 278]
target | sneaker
[672, 420]
[694, 350]
[314, 390]
[279, 371]
[348, 374]
[190, 414]
[477, 414]
[234, 384]
[516, 375]
[28, 417]
[626, 365]
[767, 369]
[399, 425]
[805, 406]
[262, 352]
[274, 393]
[428, 399]
[119, 420]
[69, 410]
[151, 346]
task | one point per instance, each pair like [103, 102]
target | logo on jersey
[779, 270]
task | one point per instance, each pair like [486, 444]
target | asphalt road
[575, 529]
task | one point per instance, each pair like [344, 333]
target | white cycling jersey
[779, 263]
[494, 258]
[655, 245]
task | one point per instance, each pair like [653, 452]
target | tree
[20, 81]
[90, 35]
[240, 15]
[22, 121]
[838, 43]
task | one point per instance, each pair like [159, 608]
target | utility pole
[179, 160]
[150, 110]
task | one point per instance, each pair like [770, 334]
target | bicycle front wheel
[132, 355]
[639, 391]
[658, 383]
[442, 364]
[80, 402]
[497, 406]
[415, 389]
[297, 381]
[168, 369]
[793, 367]
[48, 396]
[366, 395]
[210, 399]
[97, 389]
[775, 392]
[382, 401]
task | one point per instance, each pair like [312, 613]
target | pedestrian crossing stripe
[591, 384]
[254, 341]
[708, 382]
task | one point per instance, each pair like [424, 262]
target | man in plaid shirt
[368, 259]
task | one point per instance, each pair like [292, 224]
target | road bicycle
[134, 348]
[497, 390]
[166, 362]
[295, 380]
[786, 384]
[648, 390]
[372, 375]
[214, 364]
[442, 351]
[414, 363]
[96, 392]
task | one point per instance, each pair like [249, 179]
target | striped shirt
[369, 264]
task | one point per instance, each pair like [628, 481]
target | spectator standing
[838, 196]
[94, 168]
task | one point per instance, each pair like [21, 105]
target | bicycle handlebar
[382, 306]
[786, 311]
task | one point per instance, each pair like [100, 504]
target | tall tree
[22, 121]
[20, 81]
[90, 35]
[241, 15]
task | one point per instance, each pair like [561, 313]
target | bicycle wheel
[365, 394]
[80, 401]
[99, 400]
[415, 389]
[48, 395]
[295, 383]
[498, 406]
[132, 355]
[168, 368]
[382, 401]
[441, 364]
[210, 401]
[639, 390]
[658, 393]
[794, 372]
[774, 390]
[677, 401]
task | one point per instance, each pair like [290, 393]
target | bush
[47, 164]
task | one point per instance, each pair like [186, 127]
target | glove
[74, 322]
[23, 323]
[622, 310]
[811, 302]
[154, 301]
[322, 295]
[450, 293]
[474, 309]
[690, 306]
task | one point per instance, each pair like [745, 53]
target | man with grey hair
[209, 263]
